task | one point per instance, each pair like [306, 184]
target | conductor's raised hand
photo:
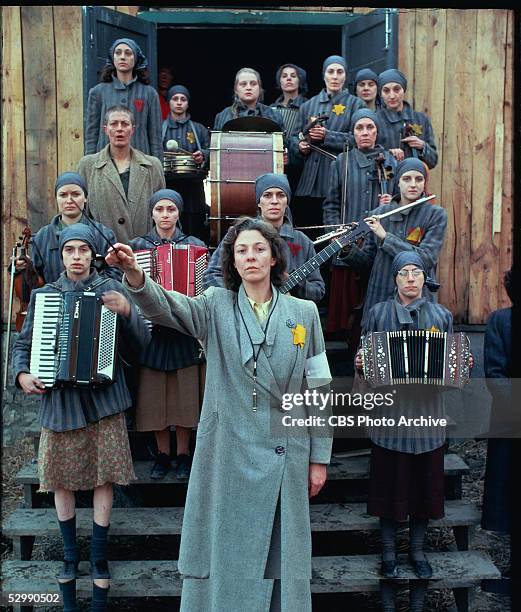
[122, 256]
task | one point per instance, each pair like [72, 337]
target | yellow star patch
[416, 129]
[299, 335]
[338, 109]
[434, 329]
[190, 137]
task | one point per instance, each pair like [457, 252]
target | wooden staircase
[336, 515]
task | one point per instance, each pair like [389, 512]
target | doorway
[227, 49]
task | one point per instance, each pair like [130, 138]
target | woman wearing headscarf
[84, 442]
[292, 82]
[337, 105]
[124, 81]
[405, 132]
[366, 88]
[171, 377]
[247, 100]
[193, 138]
[420, 229]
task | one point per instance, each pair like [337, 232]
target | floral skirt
[82, 459]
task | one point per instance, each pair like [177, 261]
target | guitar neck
[302, 272]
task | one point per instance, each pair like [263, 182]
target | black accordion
[416, 358]
[74, 340]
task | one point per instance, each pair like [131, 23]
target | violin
[26, 281]
[385, 173]
[410, 129]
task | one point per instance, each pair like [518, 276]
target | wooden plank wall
[459, 66]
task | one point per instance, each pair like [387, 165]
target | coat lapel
[137, 183]
[110, 173]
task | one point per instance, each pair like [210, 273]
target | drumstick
[172, 145]
[85, 216]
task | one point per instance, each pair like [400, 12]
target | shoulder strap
[195, 135]
[97, 283]
[164, 127]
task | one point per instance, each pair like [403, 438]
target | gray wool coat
[127, 216]
[242, 471]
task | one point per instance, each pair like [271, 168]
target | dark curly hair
[109, 71]
[232, 280]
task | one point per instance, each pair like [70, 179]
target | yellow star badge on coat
[339, 109]
[190, 137]
[299, 335]
[416, 129]
[434, 329]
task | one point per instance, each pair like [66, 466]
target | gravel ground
[18, 454]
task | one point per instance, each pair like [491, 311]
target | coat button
[123, 100]
[280, 450]
[121, 220]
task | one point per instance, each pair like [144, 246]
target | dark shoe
[183, 465]
[389, 569]
[422, 568]
[69, 570]
[99, 569]
[161, 467]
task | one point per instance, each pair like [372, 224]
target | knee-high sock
[388, 530]
[68, 532]
[68, 591]
[387, 596]
[418, 588]
[99, 598]
[98, 544]
[417, 528]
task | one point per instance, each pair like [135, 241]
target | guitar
[355, 232]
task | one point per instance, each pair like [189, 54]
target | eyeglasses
[405, 273]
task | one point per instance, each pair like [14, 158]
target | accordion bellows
[416, 357]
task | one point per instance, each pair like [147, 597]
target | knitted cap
[166, 194]
[393, 75]
[266, 181]
[70, 178]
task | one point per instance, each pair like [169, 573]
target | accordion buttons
[121, 220]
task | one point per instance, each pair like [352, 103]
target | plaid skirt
[82, 459]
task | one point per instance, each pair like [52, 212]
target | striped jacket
[261, 110]
[299, 250]
[169, 349]
[363, 187]
[420, 229]
[390, 126]
[143, 101]
[45, 252]
[182, 131]
[409, 400]
[64, 409]
[314, 181]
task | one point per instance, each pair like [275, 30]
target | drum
[236, 160]
[181, 166]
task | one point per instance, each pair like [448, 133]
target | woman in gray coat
[246, 540]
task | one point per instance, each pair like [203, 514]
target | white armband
[317, 370]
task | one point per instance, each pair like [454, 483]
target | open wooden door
[371, 41]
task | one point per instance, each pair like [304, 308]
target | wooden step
[343, 574]
[168, 521]
[341, 468]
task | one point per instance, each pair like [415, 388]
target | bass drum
[236, 160]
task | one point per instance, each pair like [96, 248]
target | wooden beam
[40, 112]
[457, 144]
[489, 79]
[128, 10]
[407, 45]
[69, 91]
[14, 195]
[429, 78]
[505, 244]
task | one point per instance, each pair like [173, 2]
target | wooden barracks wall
[459, 66]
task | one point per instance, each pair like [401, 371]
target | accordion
[176, 267]
[416, 357]
[289, 118]
[74, 340]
